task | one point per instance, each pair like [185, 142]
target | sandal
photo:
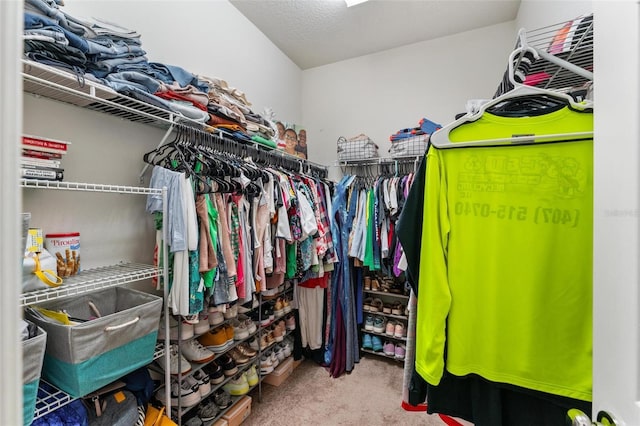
[377, 305]
[396, 308]
[367, 304]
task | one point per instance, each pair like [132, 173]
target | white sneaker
[204, 384]
[174, 355]
[188, 392]
[266, 366]
[203, 324]
[240, 331]
[194, 351]
[186, 329]
[248, 322]
[215, 316]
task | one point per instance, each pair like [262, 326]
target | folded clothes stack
[412, 141]
[110, 54]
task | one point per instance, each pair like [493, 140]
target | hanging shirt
[506, 257]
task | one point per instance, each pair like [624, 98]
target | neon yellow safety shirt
[506, 257]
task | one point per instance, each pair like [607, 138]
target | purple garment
[396, 260]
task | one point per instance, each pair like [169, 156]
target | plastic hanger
[440, 139]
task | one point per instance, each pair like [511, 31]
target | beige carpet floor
[371, 395]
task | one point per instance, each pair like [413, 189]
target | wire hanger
[440, 138]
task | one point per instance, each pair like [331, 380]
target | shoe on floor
[195, 352]
[367, 343]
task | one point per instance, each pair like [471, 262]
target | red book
[37, 142]
[34, 153]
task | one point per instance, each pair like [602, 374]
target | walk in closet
[449, 77]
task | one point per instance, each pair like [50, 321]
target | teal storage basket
[32, 356]
[85, 357]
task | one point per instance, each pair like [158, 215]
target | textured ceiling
[319, 32]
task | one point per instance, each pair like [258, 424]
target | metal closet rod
[257, 152]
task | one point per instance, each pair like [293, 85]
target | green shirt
[506, 258]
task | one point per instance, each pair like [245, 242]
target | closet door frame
[11, 196]
[616, 319]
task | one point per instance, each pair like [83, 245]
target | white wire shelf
[88, 187]
[93, 279]
[565, 43]
[54, 83]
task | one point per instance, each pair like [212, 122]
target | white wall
[381, 93]
[534, 14]
[211, 38]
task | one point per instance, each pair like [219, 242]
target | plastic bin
[85, 357]
[32, 356]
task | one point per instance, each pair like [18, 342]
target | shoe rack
[180, 412]
[379, 297]
[285, 293]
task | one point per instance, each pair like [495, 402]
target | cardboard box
[280, 374]
[297, 363]
[239, 412]
[220, 422]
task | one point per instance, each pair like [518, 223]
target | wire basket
[409, 147]
[359, 147]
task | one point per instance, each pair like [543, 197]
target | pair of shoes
[246, 350]
[174, 356]
[194, 351]
[188, 393]
[399, 330]
[266, 365]
[379, 324]
[237, 386]
[219, 339]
